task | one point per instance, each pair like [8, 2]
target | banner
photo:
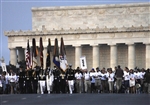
[56, 54]
[62, 56]
[34, 53]
[3, 67]
[41, 51]
[83, 62]
[49, 50]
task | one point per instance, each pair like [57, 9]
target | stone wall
[104, 56]
[122, 55]
[140, 55]
[91, 16]
[70, 52]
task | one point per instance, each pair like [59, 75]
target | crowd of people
[38, 80]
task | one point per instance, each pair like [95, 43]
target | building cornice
[89, 7]
[77, 31]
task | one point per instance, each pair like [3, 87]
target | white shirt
[78, 75]
[98, 74]
[110, 76]
[132, 76]
[6, 77]
[12, 78]
[126, 76]
[92, 74]
[142, 75]
[103, 76]
[1, 84]
[87, 76]
[137, 75]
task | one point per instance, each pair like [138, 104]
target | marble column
[131, 56]
[13, 56]
[96, 55]
[147, 56]
[78, 54]
[44, 57]
[21, 54]
[113, 56]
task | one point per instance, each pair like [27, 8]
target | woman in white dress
[132, 81]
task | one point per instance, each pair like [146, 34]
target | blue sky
[16, 15]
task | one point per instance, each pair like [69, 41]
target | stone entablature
[110, 36]
[44, 31]
[118, 15]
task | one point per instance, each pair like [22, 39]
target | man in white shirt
[97, 80]
[87, 82]
[12, 80]
[142, 73]
[104, 81]
[78, 77]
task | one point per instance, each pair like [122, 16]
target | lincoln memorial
[108, 35]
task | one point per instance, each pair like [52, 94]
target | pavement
[75, 99]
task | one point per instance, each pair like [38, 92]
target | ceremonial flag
[62, 57]
[41, 51]
[56, 54]
[48, 59]
[34, 53]
[28, 57]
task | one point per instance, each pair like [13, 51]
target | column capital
[112, 44]
[12, 48]
[95, 45]
[146, 43]
[77, 45]
[130, 44]
[45, 47]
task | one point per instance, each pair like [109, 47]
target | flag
[34, 53]
[28, 57]
[56, 54]
[62, 56]
[41, 51]
[48, 59]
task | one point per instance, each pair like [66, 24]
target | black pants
[56, 88]
[28, 86]
[93, 87]
[63, 85]
[35, 86]
[21, 87]
[104, 85]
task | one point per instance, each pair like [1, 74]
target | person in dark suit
[119, 76]
[62, 82]
[35, 75]
[147, 79]
[28, 78]
[21, 80]
[56, 73]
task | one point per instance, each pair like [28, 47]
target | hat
[92, 68]
[70, 64]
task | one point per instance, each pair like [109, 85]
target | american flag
[28, 58]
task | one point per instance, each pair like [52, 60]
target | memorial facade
[108, 35]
